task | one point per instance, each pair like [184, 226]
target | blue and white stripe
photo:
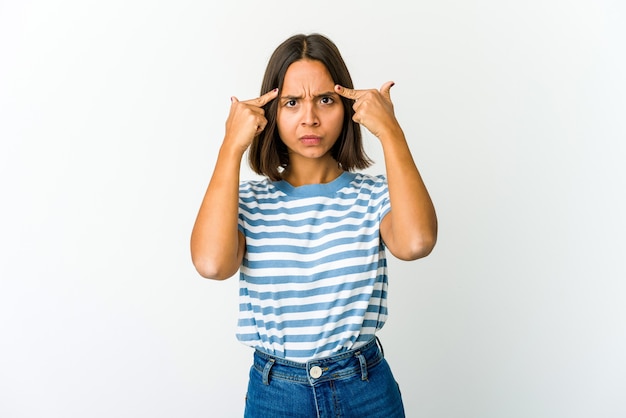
[313, 281]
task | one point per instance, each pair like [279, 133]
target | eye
[327, 100]
[290, 103]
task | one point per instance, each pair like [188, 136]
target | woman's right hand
[246, 120]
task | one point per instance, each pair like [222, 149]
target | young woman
[310, 238]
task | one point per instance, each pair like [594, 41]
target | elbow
[418, 249]
[419, 246]
[424, 243]
[213, 263]
[209, 269]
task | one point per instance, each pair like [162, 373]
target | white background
[111, 114]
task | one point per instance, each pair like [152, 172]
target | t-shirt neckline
[320, 189]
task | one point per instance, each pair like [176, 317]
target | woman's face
[310, 113]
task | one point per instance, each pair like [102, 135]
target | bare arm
[217, 246]
[410, 229]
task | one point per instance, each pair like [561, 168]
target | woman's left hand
[373, 108]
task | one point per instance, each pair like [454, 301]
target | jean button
[315, 372]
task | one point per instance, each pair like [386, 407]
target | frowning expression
[310, 113]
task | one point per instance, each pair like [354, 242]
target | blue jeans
[356, 383]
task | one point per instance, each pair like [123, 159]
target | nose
[309, 115]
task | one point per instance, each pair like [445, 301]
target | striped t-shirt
[313, 281]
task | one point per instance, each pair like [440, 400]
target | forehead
[308, 74]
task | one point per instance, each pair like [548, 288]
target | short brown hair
[268, 152]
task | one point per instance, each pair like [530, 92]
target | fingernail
[338, 87]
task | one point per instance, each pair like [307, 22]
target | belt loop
[363, 365]
[382, 350]
[266, 371]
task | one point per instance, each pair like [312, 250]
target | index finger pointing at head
[265, 99]
[346, 92]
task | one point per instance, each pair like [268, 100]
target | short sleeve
[382, 196]
[244, 189]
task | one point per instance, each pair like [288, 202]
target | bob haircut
[268, 155]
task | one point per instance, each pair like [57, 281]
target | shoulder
[258, 186]
[259, 192]
[375, 183]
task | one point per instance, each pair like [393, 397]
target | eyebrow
[325, 94]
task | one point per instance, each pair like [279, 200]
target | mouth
[310, 139]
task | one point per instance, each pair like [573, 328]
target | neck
[319, 173]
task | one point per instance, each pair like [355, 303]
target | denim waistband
[339, 366]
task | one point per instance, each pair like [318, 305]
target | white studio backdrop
[111, 115]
